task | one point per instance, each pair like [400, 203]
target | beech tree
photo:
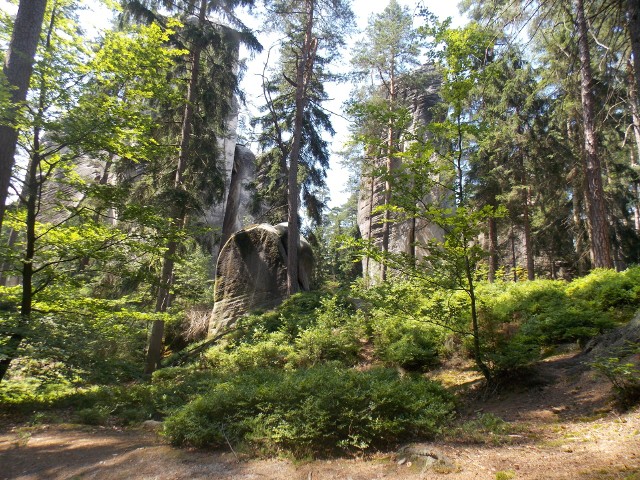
[106, 112]
[17, 71]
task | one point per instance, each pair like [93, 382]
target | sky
[96, 18]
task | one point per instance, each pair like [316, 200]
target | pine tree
[313, 33]
[200, 34]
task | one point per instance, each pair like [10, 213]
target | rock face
[235, 209]
[420, 97]
[616, 342]
[239, 197]
[252, 273]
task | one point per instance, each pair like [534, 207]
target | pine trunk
[635, 156]
[303, 77]
[633, 25]
[493, 250]
[163, 298]
[514, 262]
[599, 228]
[528, 244]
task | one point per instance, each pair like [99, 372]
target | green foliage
[305, 330]
[271, 350]
[622, 369]
[615, 292]
[506, 475]
[78, 338]
[333, 260]
[123, 404]
[519, 319]
[291, 317]
[552, 312]
[312, 411]
[335, 336]
[97, 415]
[392, 327]
[407, 329]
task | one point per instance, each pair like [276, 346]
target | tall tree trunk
[578, 188]
[599, 228]
[528, 244]
[303, 77]
[514, 262]
[163, 297]
[372, 191]
[633, 25]
[5, 266]
[578, 226]
[635, 156]
[17, 69]
[386, 226]
[493, 250]
[33, 189]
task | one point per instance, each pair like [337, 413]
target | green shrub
[272, 350]
[335, 336]
[169, 389]
[97, 415]
[485, 428]
[509, 356]
[294, 315]
[317, 410]
[408, 323]
[406, 343]
[505, 475]
[623, 373]
[609, 291]
[518, 319]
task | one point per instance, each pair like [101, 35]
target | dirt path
[562, 429]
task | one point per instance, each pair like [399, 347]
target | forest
[493, 217]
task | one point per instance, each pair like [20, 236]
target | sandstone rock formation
[234, 211]
[421, 96]
[252, 274]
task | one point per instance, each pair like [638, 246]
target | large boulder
[252, 273]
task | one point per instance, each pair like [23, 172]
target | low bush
[312, 411]
[542, 311]
[617, 293]
[519, 319]
[407, 343]
[294, 315]
[408, 323]
[269, 350]
[334, 336]
[622, 369]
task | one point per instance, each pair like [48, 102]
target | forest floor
[562, 425]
